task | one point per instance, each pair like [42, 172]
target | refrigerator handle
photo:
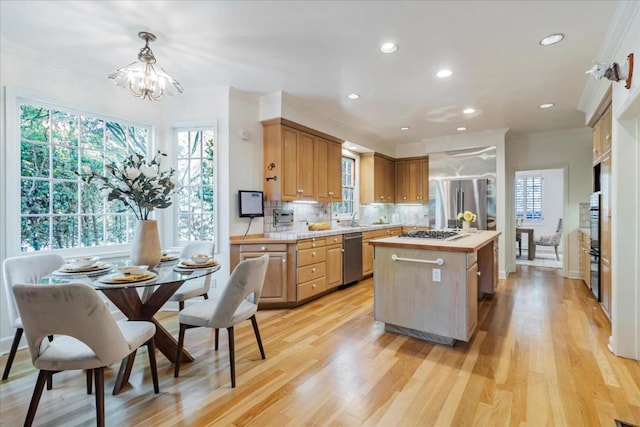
[461, 201]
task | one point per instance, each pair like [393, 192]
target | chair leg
[50, 381]
[151, 348]
[232, 357]
[205, 296]
[176, 369]
[557, 256]
[254, 322]
[99, 378]
[35, 398]
[89, 380]
[180, 305]
[12, 352]
[217, 334]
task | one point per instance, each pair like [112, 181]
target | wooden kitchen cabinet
[472, 299]
[328, 163]
[279, 281]
[367, 249]
[602, 136]
[377, 178]
[300, 163]
[585, 259]
[334, 261]
[412, 181]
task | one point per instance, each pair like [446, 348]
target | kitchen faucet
[354, 219]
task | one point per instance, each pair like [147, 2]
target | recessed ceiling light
[469, 110]
[353, 96]
[388, 47]
[551, 39]
[461, 128]
[444, 73]
[543, 106]
[352, 147]
[404, 128]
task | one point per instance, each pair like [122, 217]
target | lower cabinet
[605, 286]
[334, 261]
[367, 249]
[585, 258]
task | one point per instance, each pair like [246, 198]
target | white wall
[569, 150]
[552, 202]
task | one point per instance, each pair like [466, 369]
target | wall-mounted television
[251, 203]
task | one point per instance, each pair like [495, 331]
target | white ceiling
[320, 51]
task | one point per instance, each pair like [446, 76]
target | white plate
[65, 270]
[183, 269]
[122, 279]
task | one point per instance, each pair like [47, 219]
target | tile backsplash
[319, 212]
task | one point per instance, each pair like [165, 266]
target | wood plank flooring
[539, 357]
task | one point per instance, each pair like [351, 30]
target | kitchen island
[429, 288]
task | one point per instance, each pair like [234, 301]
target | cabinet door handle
[479, 273]
[313, 286]
[263, 248]
[313, 254]
[284, 260]
[313, 245]
[313, 270]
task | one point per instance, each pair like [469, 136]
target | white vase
[466, 225]
[146, 244]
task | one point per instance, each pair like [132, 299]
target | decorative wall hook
[269, 178]
[271, 166]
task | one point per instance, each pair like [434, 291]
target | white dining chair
[23, 269]
[196, 287]
[237, 303]
[552, 239]
[87, 336]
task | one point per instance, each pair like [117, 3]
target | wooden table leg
[124, 372]
[531, 249]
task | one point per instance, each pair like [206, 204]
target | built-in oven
[594, 220]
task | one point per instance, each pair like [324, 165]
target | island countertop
[470, 242]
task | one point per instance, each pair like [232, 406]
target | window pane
[65, 162]
[92, 230]
[64, 128]
[94, 160]
[138, 137]
[34, 160]
[118, 229]
[34, 123]
[65, 197]
[91, 132]
[35, 233]
[92, 201]
[35, 196]
[65, 232]
[183, 145]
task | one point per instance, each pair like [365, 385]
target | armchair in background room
[551, 240]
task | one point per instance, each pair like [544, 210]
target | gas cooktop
[434, 234]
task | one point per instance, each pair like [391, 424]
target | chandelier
[142, 78]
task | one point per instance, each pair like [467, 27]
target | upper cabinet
[377, 178]
[602, 136]
[412, 180]
[300, 163]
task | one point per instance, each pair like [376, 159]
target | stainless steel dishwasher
[351, 258]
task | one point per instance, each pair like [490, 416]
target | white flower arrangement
[141, 186]
[466, 216]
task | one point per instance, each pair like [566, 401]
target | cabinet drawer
[311, 243]
[268, 247]
[312, 272]
[333, 240]
[472, 258]
[311, 256]
[309, 289]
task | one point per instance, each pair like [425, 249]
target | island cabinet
[300, 163]
[367, 249]
[430, 289]
[412, 180]
[377, 178]
[279, 284]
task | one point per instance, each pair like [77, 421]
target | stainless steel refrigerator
[453, 196]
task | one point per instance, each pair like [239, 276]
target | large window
[528, 198]
[196, 154]
[348, 187]
[58, 210]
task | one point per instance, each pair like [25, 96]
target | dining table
[138, 300]
[531, 245]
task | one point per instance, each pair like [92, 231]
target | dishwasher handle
[352, 236]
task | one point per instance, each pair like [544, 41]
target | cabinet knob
[335, 239]
[313, 270]
[479, 273]
[263, 248]
[405, 197]
[313, 254]
[313, 245]
[284, 260]
[313, 286]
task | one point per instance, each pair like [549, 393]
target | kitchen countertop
[469, 243]
[292, 236]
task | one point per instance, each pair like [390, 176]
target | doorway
[539, 209]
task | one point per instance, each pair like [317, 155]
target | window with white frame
[197, 171]
[528, 198]
[348, 187]
[58, 210]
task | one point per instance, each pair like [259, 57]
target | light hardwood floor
[539, 357]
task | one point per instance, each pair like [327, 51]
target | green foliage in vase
[139, 185]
